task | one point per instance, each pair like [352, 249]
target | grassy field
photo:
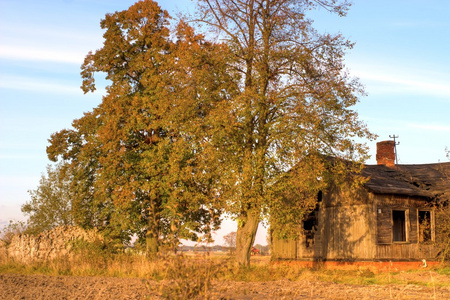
[216, 266]
[191, 275]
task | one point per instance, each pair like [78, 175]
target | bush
[188, 278]
[12, 229]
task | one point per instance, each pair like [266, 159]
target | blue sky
[401, 55]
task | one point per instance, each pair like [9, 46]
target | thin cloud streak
[18, 156]
[8, 182]
[39, 34]
[405, 84]
[434, 127]
[416, 24]
[399, 78]
[406, 126]
[35, 54]
[31, 84]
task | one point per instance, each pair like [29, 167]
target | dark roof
[427, 180]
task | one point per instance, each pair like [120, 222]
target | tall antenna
[395, 146]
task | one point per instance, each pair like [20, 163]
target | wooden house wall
[359, 227]
[410, 249]
[296, 249]
[284, 249]
[385, 205]
[347, 232]
[407, 251]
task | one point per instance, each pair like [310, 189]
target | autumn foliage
[242, 121]
[137, 157]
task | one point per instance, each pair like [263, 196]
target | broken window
[424, 226]
[309, 223]
[309, 228]
[399, 226]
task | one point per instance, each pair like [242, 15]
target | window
[319, 196]
[309, 223]
[425, 228]
[309, 228]
[399, 226]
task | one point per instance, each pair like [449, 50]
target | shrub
[12, 229]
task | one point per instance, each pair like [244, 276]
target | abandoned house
[389, 218]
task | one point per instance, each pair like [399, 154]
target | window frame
[432, 225]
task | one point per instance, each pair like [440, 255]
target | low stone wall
[3, 252]
[48, 245]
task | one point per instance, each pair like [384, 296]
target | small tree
[50, 205]
[230, 241]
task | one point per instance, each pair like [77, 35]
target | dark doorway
[399, 225]
[310, 227]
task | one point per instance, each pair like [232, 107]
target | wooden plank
[384, 225]
[346, 232]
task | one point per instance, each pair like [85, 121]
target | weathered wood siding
[385, 205]
[347, 232]
[407, 251]
[284, 249]
[308, 251]
[384, 225]
[410, 249]
[359, 226]
[296, 249]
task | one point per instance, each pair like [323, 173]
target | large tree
[137, 158]
[291, 105]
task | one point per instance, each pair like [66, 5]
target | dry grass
[188, 275]
[194, 275]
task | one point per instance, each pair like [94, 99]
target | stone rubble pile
[3, 252]
[47, 245]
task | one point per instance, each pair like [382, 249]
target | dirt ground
[13, 286]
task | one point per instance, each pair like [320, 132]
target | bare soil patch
[14, 286]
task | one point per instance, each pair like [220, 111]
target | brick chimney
[386, 153]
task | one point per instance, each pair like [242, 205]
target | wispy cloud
[38, 42]
[423, 127]
[433, 127]
[19, 156]
[43, 33]
[39, 85]
[411, 24]
[40, 54]
[384, 79]
[11, 181]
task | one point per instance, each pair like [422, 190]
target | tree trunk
[152, 238]
[152, 245]
[245, 238]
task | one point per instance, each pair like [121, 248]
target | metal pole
[395, 146]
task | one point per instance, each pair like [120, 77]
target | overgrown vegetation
[13, 228]
[185, 275]
[193, 275]
[192, 125]
[193, 271]
[442, 205]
